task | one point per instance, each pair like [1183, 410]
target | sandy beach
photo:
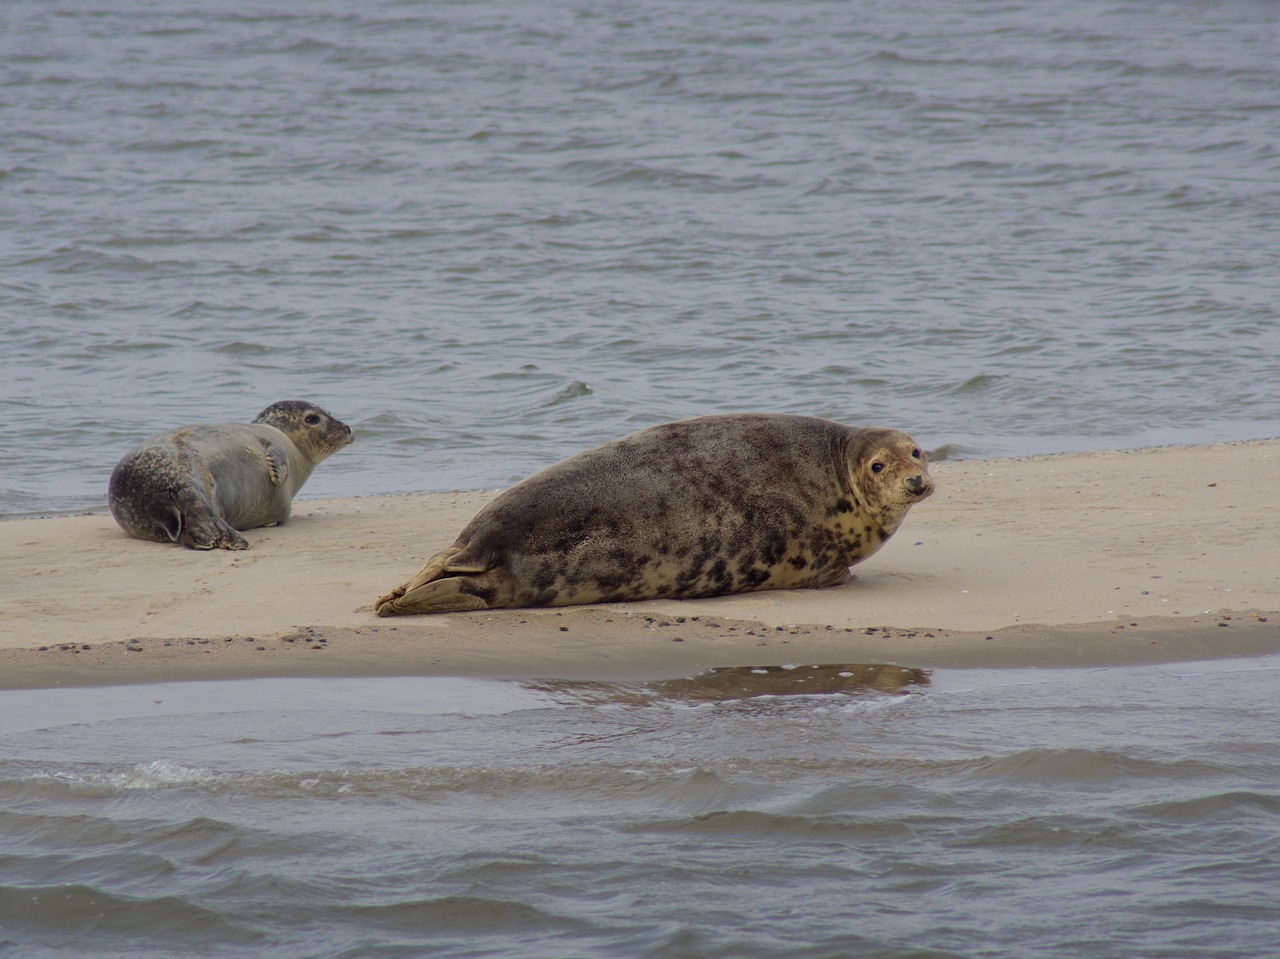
[1103, 558]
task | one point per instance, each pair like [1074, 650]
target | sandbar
[1105, 558]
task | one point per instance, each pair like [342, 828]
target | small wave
[573, 391]
[980, 383]
[241, 348]
[1233, 806]
[161, 774]
[949, 451]
[173, 146]
[78, 259]
[610, 173]
[733, 683]
[1078, 766]
[1057, 832]
[77, 909]
[158, 774]
[760, 823]
[457, 914]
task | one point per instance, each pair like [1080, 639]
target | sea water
[1115, 812]
[489, 235]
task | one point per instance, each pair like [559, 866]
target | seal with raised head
[199, 485]
[700, 507]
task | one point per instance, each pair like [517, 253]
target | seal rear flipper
[170, 523]
[455, 559]
[210, 532]
[436, 587]
[447, 595]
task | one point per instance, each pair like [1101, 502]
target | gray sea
[1104, 814]
[491, 234]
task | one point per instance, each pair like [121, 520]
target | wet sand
[1085, 559]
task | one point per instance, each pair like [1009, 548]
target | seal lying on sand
[718, 504]
[199, 484]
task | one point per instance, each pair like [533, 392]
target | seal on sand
[200, 484]
[701, 507]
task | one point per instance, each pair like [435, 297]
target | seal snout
[919, 485]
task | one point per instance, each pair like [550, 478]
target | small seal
[701, 507]
[199, 485]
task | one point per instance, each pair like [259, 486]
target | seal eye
[915, 454]
[311, 419]
[877, 467]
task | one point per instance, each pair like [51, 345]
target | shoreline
[589, 643]
[1104, 558]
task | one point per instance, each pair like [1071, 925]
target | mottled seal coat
[200, 484]
[701, 507]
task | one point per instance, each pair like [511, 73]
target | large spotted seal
[200, 484]
[701, 507]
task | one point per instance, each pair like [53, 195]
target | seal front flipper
[277, 465]
[448, 583]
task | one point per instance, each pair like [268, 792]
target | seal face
[701, 507]
[199, 485]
